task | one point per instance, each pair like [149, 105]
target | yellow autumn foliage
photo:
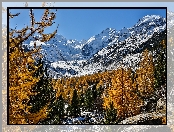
[145, 75]
[21, 79]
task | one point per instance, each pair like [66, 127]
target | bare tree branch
[11, 16]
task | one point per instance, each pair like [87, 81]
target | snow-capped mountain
[104, 51]
[126, 53]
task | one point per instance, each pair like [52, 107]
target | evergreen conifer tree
[43, 88]
[74, 107]
[57, 113]
[111, 114]
[161, 64]
[88, 100]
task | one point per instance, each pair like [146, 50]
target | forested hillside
[104, 97]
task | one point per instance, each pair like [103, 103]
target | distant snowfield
[65, 65]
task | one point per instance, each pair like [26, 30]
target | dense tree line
[124, 89]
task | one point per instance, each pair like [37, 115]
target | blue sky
[84, 23]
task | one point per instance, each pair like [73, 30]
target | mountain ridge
[110, 46]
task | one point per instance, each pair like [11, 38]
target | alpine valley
[105, 51]
[114, 77]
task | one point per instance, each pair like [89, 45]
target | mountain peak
[150, 18]
[108, 30]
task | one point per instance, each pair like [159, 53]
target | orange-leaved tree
[145, 75]
[122, 94]
[22, 68]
